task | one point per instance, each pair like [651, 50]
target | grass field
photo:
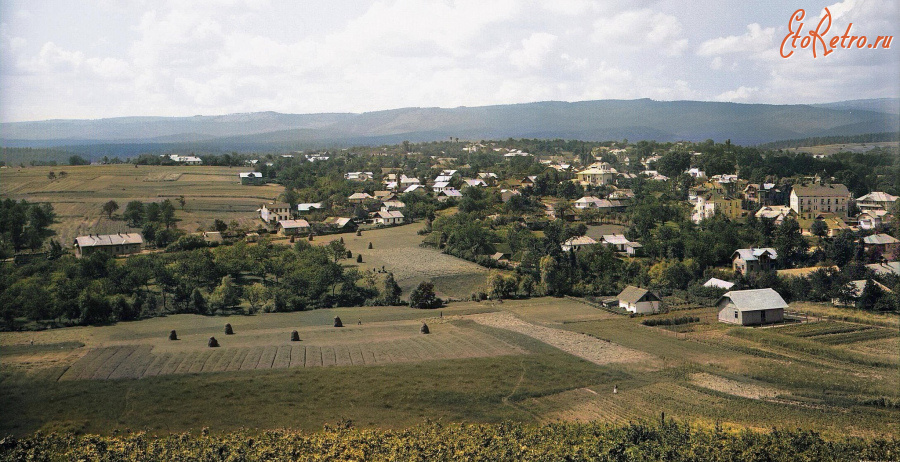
[829, 149]
[210, 193]
[537, 360]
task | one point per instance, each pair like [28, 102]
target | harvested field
[210, 193]
[733, 387]
[584, 346]
[372, 344]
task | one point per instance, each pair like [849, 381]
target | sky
[80, 59]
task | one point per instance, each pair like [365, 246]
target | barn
[751, 307]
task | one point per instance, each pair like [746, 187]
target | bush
[671, 321]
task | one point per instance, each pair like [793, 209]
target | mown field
[536, 361]
[209, 192]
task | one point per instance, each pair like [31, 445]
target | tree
[181, 201]
[423, 296]
[338, 250]
[167, 213]
[819, 228]
[526, 285]
[256, 295]
[674, 163]
[198, 302]
[134, 213]
[109, 208]
[220, 225]
[225, 295]
[78, 160]
[789, 243]
[390, 291]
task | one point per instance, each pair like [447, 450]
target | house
[273, 213]
[753, 260]
[487, 176]
[113, 244]
[407, 180]
[441, 186]
[384, 195]
[654, 175]
[212, 237]
[640, 301]
[876, 200]
[597, 175]
[448, 193]
[383, 217]
[617, 241]
[529, 180]
[634, 249]
[293, 227]
[414, 187]
[834, 224]
[710, 204]
[776, 213]
[885, 244]
[359, 176]
[339, 224]
[577, 243]
[359, 198]
[448, 173]
[855, 290]
[718, 283]
[392, 205]
[885, 268]
[751, 307]
[475, 183]
[507, 194]
[872, 219]
[696, 173]
[443, 179]
[187, 160]
[810, 200]
[251, 178]
[307, 206]
[587, 202]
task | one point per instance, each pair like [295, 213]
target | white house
[718, 283]
[273, 213]
[587, 202]
[640, 301]
[393, 217]
[618, 241]
[357, 198]
[307, 206]
[441, 186]
[293, 227]
[412, 188]
[751, 307]
[475, 183]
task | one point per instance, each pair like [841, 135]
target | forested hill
[641, 119]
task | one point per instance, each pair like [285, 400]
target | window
[735, 314]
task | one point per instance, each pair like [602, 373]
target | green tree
[256, 295]
[198, 302]
[134, 213]
[423, 296]
[390, 291]
[819, 228]
[78, 160]
[789, 243]
[109, 208]
[225, 295]
[167, 213]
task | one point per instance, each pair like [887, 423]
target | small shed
[751, 307]
[293, 227]
[638, 300]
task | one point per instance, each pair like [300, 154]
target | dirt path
[584, 346]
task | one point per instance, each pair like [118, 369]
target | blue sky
[106, 58]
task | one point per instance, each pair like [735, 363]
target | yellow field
[210, 193]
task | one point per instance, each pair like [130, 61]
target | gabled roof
[442, 178]
[389, 214]
[755, 299]
[451, 193]
[293, 224]
[754, 253]
[615, 239]
[306, 207]
[580, 240]
[633, 294]
[441, 184]
[587, 200]
[413, 188]
[891, 267]
[476, 182]
[97, 240]
[359, 196]
[880, 239]
[250, 175]
[718, 283]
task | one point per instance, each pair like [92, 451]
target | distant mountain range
[642, 119]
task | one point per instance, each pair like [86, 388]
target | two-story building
[273, 213]
[810, 200]
[753, 260]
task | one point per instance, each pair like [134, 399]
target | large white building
[811, 200]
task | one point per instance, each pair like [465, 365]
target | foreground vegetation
[666, 440]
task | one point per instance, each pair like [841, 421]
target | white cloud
[534, 52]
[737, 95]
[755, 40]
[641, 28]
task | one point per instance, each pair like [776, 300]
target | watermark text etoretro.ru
[816, 39]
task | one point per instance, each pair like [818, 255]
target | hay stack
[337, 322]
[424, 329]
[212, 343]
[228, 330]
[173, 335]
[295, 336]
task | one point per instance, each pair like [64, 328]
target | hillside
[587, 120]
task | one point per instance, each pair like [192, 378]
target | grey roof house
[751, 307]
